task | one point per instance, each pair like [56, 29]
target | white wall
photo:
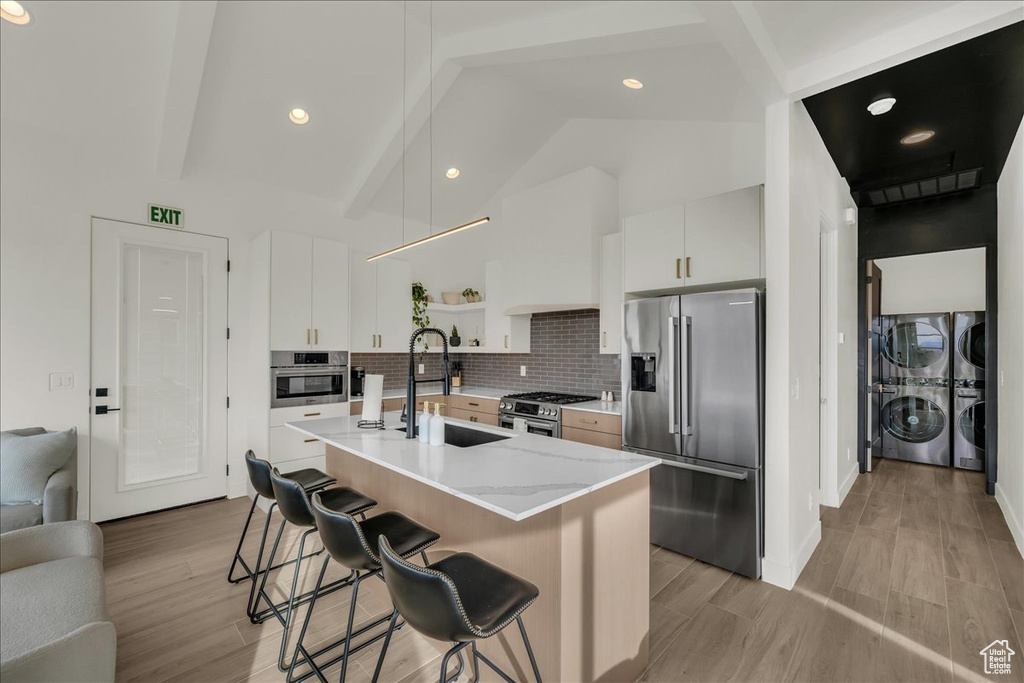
[49, 195]
[1010, 484]
[934, 283]
[803, 189]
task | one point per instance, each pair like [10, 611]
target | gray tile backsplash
[564, 357]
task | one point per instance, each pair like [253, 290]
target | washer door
[913, 419]
[913, 345]
[972, 345]
[971, 425]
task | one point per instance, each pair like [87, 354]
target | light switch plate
[842, 337]
[420, 370]
[522, 371]
[62, 381]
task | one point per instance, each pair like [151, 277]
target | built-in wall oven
[301, 378]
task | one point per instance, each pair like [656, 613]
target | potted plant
[455, 339]
[472, 296]
[419, 309]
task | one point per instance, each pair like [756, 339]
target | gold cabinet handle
[310, 414]
[679, 263]
[474, 404]
[307, 336]
[687, 266]
[309, 440]
[506, 341]
[604, 339]
[316, 336]
[472, 418]
[588, 422]
[380, 341]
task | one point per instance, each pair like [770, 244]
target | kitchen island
[569, 517]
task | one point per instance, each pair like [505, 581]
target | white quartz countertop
[613, 408]
[516, 478]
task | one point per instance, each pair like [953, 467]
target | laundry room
[931, 358]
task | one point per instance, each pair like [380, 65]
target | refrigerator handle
[673, 326]
[684, 336]
[739, 476]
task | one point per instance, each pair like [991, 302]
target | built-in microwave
[301, 378]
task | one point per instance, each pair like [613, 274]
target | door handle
[679, 263]
[706, 470]
[604, 339]
[103, 410]
[673, 325]
[310, 414]
[309, 440]
[307, 336]
[373, 337]
[506, 341]
[688, 266]
[316, 336]
[684, 335]
[380, 341]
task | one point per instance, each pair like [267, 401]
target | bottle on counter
[423, 423]
[437, 426]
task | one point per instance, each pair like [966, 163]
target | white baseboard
[1016, 528]
[847, 484]
[785, 576]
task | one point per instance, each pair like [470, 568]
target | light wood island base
[590, 557]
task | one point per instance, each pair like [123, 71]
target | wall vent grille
[922, 189]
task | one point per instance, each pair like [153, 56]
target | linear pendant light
[430, 122]
[431, 238]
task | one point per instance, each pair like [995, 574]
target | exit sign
[165, 215]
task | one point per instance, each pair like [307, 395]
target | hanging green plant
[419, 309]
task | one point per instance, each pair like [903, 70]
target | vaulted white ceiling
[187, 89]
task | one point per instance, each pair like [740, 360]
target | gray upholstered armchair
[60, 497]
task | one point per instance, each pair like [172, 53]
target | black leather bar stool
[353, 545]
[460, 599]
[311, 480]
[293, 502]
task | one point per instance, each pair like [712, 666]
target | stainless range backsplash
[564, 357]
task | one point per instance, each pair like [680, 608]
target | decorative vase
[454, 341]
[451, 298]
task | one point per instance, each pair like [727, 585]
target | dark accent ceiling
[971, 94]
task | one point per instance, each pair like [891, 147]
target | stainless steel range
[541, 410]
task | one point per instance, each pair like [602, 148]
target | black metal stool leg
[529, 650]
[238, 550]
[476, 663]
[351, 619]
[384, 649]
[299, 649]
[456, 650]
[254, 594]
[291, 601]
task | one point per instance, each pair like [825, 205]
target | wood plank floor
[913, 576]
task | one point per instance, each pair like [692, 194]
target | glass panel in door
[972, 345]
[972, 424]
[163, 337]
[913, 419]
[913, 345]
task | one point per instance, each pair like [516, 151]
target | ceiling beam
[191, 42]
[930, 33]
[738, 27]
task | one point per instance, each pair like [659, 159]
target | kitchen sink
[464, 437]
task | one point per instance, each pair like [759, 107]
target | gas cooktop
[551, 397]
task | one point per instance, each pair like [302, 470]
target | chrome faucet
[410, 391]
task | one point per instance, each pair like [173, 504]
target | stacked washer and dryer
[932, 409]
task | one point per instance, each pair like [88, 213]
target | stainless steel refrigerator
[693, 395]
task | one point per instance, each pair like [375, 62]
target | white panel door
[394, 305]
[363, 304]
[611, 294]
[330, 295]
[723, 237]
[291, 284]
[652, 247]
[158, 432]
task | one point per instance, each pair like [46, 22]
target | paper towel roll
[373, 397]
[519, 425]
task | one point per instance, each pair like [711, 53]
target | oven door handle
[529, 423]
[309, 372]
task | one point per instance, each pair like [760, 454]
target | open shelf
[456, 308]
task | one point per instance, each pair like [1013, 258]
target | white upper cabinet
[702, 242]
[502, 333]
[291, 282]
[611, 294]
[394, 305]
[308, 293]
[363, 304]
[723, 238]
[653, 252]
[552, 236]
[381, 304]
[330, 295]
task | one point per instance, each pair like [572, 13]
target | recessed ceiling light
[881, 106]
[13, 12]
[632, 83]
[299, 116]
[920, 136]
[452, 173]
